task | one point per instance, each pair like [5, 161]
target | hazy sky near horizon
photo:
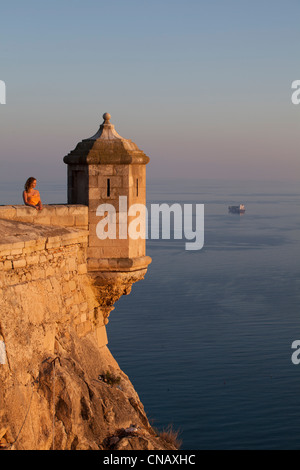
[203, 87]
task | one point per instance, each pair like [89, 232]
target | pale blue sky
[203, 87]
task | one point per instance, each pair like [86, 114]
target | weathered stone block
[96, 193]
[72, 285]
[17, 245]
[5, 250]
[77, 209]
[82, 268]
[60, 210]
[20, 263]
[101, 336]
[7, 265]
[71, 264]
[68, 221]
[122, 170]
[7, 212]
[35, 259]
[53, 242]
[83, 307]
[15, 252]
[49, 271]
[107, 170]
[82, 220]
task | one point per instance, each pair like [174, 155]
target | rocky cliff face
[80, 399]
[60, 386]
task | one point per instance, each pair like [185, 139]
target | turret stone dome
[106, 147]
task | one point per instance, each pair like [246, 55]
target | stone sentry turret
[100, 170]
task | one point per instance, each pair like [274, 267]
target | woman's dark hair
[28, 183]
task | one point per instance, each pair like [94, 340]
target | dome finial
[106, 117]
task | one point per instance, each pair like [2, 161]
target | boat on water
[237, 209]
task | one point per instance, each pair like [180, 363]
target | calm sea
[206, 337]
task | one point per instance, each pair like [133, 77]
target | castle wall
[63, 215]
[45, 289]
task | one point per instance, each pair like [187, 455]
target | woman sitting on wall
[31, 196]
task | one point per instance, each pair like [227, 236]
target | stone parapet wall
[63, 215]
[29, 252]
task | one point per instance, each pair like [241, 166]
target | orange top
[34, 199]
